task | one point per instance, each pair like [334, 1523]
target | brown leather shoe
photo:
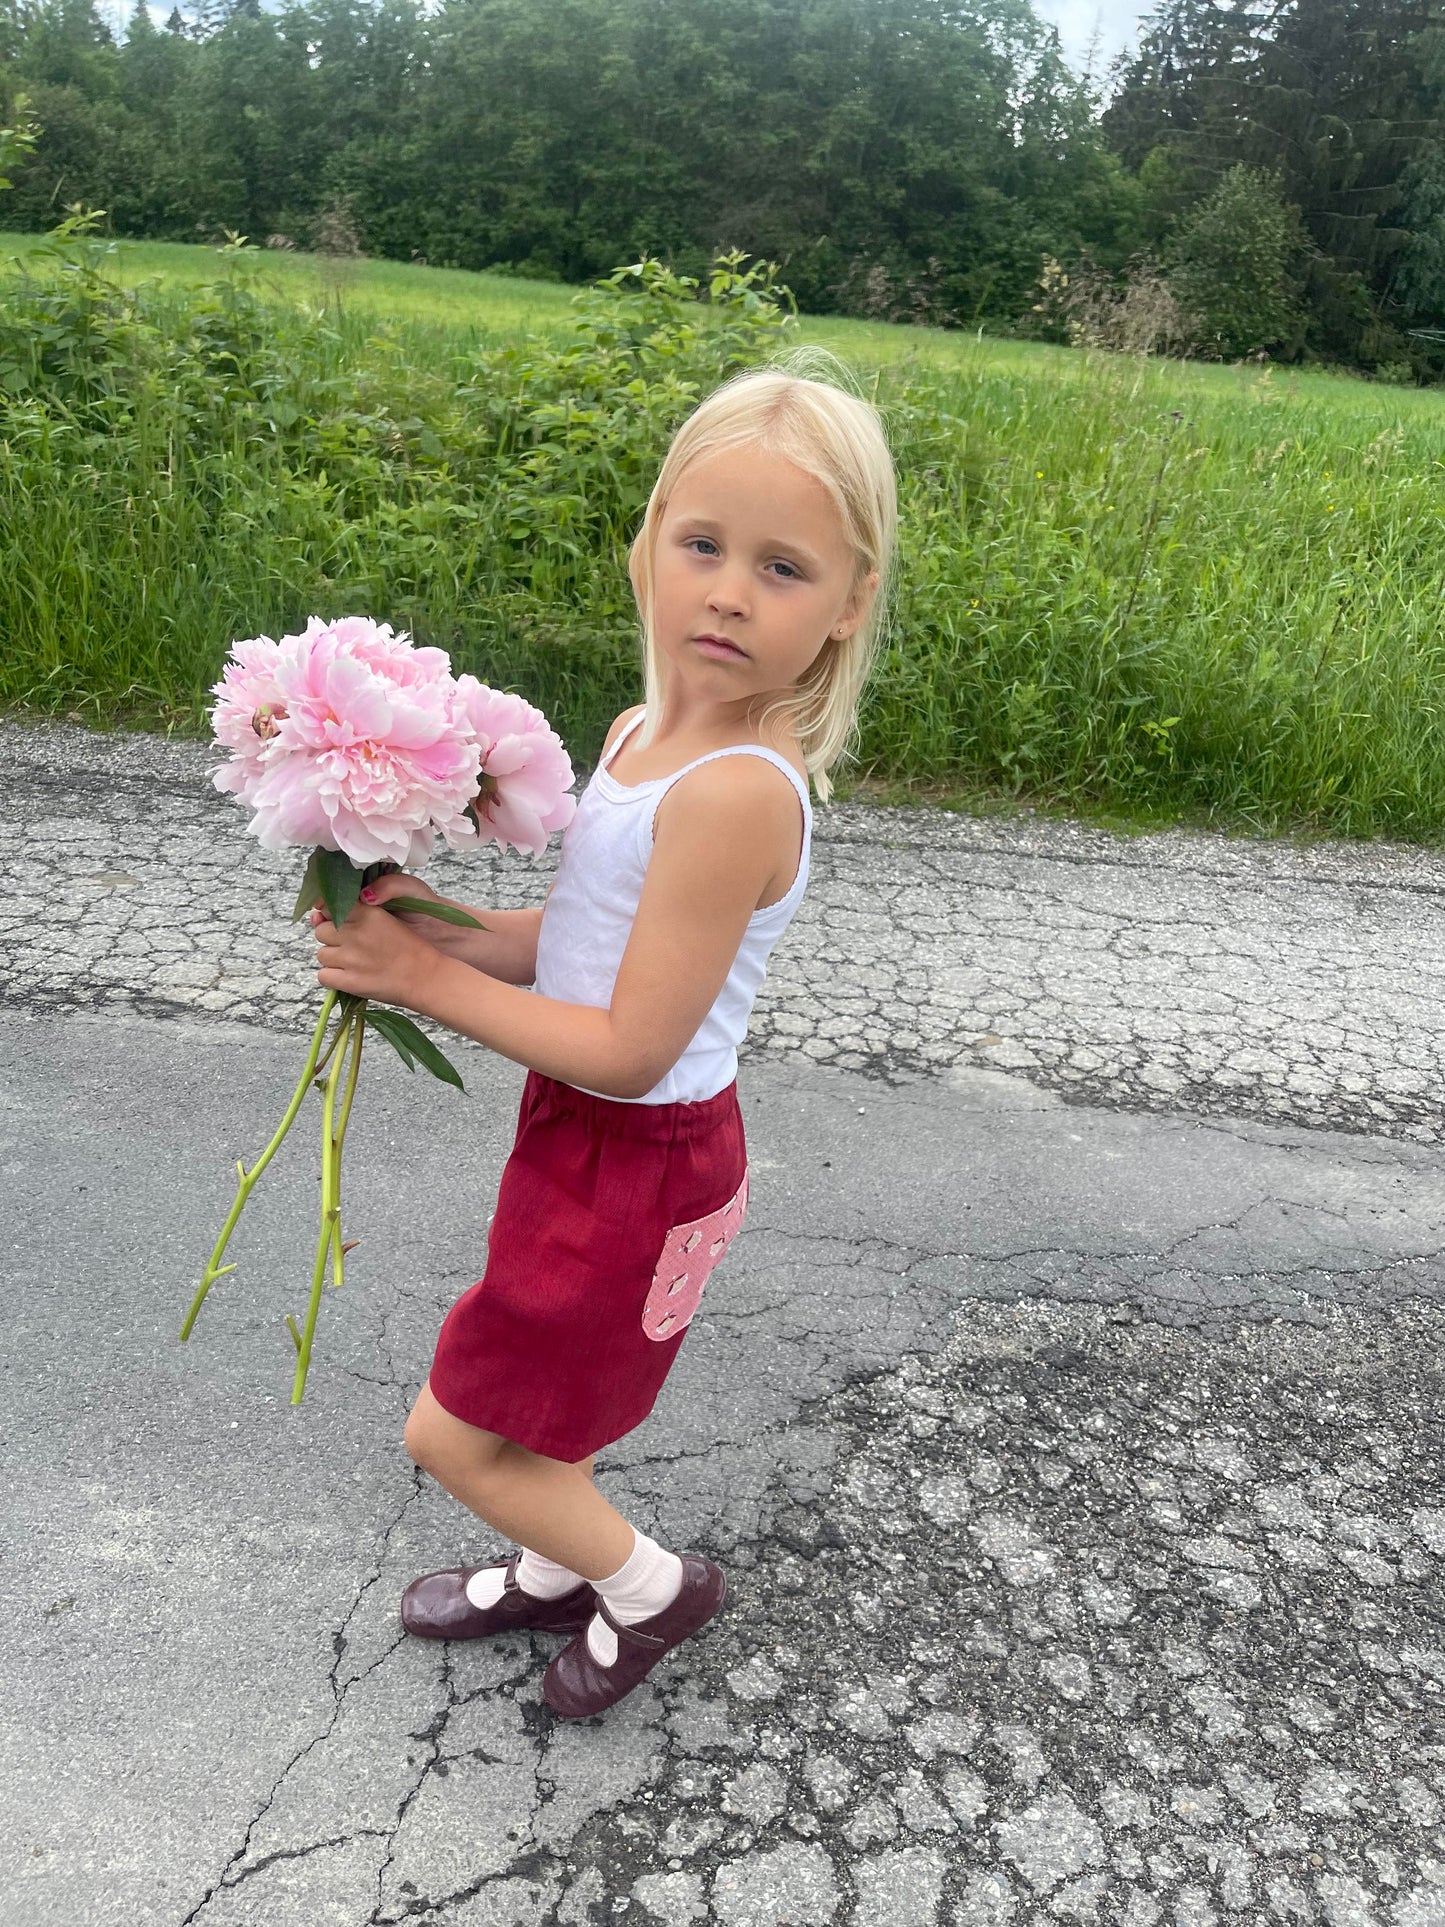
[575, 1686]
[436, 1607]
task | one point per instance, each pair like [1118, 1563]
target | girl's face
[752, 573]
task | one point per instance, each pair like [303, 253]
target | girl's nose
[728, 596]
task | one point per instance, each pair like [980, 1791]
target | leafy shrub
[1232, 266]
[17, 143]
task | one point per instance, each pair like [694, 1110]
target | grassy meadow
[1144, 589]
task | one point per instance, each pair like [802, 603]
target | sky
[1076, 20]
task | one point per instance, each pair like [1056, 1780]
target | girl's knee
[446, 1447]
[420, 1436]
[431, 1435]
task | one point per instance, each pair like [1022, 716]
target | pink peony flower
[371, 757]
[245, 715]
[349, 737]
[526, 773]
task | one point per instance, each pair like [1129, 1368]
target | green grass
[499, 307]
[1147, 591]
[493, 304]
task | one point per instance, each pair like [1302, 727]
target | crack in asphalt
[1003, 1384]
[339, 1689]
[225, 1878]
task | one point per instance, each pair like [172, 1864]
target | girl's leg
[546, 1505]
[537, 1575]
[550, 1507]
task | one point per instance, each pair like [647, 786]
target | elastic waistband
[649, 1123]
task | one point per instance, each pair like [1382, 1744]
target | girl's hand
[373, 954]
[441, 936]
[505, 947]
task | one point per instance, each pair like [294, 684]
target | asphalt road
[1067, 1416]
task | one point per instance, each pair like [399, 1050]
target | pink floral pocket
[690, 1253]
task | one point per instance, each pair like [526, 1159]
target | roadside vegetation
[1149, 588]
[1260, 179]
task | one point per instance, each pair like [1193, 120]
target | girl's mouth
[719, 648]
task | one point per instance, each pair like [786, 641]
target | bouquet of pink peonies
[352, 742]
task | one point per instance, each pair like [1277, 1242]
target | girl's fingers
[395, 884]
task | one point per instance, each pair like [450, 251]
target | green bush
[1233, 261]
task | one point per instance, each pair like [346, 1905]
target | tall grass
[1221, 601]
[1137, 586]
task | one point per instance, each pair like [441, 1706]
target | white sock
[647, 1584]
[539, 1578]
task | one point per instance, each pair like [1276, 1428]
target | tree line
[1261, 178]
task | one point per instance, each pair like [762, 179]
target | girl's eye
[792, 574]
[702, 541]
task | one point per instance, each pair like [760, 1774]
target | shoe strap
[510, 1582]
[650, 1642]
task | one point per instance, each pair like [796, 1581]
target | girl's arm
[722, 835]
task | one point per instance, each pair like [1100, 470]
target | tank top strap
[747, 749]
[621, 737]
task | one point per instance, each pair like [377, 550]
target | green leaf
[428, 907]
[377, 1021]
[417, 1042]
[309, 895]
[340, 884]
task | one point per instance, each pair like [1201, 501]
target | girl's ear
[857, 607]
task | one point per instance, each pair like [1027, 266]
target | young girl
[758, 573]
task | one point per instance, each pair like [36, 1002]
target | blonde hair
[836, 437]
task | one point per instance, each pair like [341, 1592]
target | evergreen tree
[1419, 283]
[151, 67]
[1342, 106]
[1190, 59]
[208, 18]
[1342, 99]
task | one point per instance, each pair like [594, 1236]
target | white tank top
[588, 918]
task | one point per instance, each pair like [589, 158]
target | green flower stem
[330, 1212]
[214, 1268]
[347, 1005]
[358, 1035]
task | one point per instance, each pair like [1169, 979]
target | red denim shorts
[610, 1218]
